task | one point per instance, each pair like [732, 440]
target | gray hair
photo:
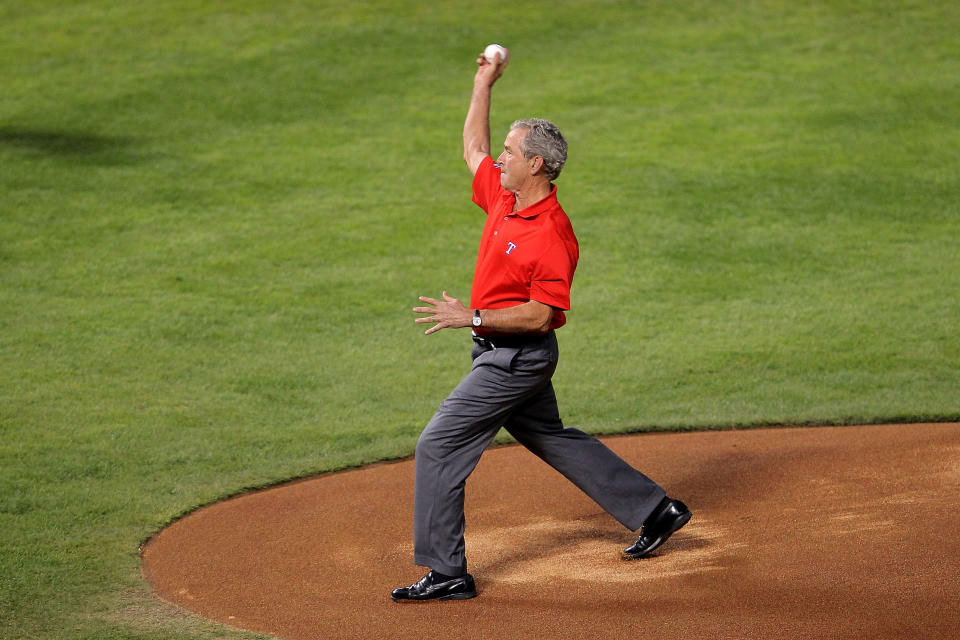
[545, 140]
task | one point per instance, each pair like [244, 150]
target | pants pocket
[502, 358]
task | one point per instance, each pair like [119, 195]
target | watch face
[476, 321]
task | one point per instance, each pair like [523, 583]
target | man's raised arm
[476, 127]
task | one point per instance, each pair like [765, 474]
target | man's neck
[531, 194]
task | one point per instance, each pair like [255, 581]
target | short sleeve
[553, 276]
[486, 184]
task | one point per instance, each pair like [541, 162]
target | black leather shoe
[460, 588]
[666, 519]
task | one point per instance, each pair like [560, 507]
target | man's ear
[536, 163]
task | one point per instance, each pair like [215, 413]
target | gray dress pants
[510, 387]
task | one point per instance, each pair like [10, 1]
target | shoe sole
[455, 596]
[677, 525]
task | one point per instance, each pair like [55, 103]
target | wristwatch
[476, 317]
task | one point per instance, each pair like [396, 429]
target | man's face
[514, 168]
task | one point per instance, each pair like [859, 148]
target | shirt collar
[538, 207]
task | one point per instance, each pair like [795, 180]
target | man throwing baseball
[521, 288]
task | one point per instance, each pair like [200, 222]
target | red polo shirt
[526, 255]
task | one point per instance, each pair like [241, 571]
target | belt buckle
[483, 342]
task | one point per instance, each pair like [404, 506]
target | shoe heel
[459, 596]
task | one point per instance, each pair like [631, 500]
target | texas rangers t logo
[510, 247]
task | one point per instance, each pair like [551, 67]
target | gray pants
[510, 387]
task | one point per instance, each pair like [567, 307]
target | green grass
[214, 219]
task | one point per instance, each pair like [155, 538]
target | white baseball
[493, 51]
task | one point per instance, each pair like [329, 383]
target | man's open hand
[448, 313]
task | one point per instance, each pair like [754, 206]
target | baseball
[493, 51]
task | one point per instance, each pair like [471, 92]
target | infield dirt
[826, 532]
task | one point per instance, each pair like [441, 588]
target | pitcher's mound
[840, 532]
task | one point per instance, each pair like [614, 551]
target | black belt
[512, 341]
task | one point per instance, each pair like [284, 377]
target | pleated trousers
[511, 387]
